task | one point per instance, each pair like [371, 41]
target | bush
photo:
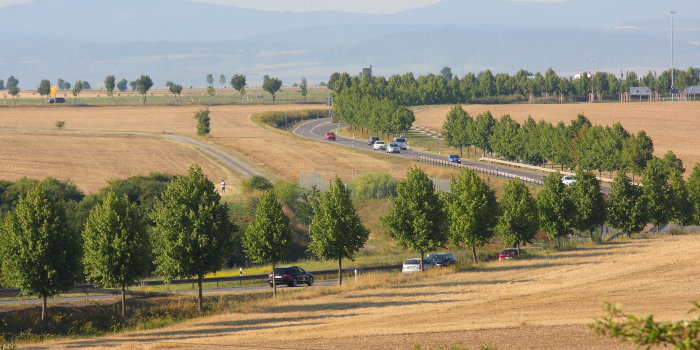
[203, 119]
[60, 124]
[373, 186]
[258, 183]
[278, 120]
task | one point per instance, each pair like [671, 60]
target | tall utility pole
[672, 68]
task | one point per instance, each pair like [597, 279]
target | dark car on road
[442, 259]
[330, 136]
[56, 100]
[372, 140]
[453, 158]
[292, 276]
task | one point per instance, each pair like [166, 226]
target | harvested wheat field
[541, 302]
[672, 125]
[276, 153]
[91, 160]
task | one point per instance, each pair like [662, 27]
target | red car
[510, 253]
[330, 136]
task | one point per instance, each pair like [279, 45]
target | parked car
[453, 158]
[330, 136]
[372, 140]
[379, 145]
[402, 141]
[442, 259]
[292, 276]
[56, 100]
[510, 253]
[413, 265]
[568, 180]
[393, 148]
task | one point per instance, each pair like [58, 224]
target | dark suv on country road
[292, 276]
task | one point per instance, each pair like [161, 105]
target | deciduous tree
[203, 120]
[40, 252]
[472, 211]
[556, 211]
[272, 86]
[626, 207]
[143, 84]
[109, 85]
[122, 84]
[238, 83]
[417, 218]
[657, 191]
[192, 234]
[116, 244]
[519, 221]
[336, 229]
[44, 88]
[589, 203]
[304, 88]
[268, 235]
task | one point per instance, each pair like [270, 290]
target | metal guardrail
[481, 170]
[92, 289]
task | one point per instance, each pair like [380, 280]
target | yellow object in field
[53, 90]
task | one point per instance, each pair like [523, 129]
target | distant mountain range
[183, 41]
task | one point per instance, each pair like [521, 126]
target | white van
[402, 141]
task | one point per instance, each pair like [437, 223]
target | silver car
[413, 265]
[393, 148]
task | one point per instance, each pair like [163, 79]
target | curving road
[316, 129]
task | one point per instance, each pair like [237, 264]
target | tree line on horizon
[487, 87]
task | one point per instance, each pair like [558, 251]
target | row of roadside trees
[485, 86]
[579, 144]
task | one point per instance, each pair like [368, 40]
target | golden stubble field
[543, 302]
[277, 154]
[671, 125]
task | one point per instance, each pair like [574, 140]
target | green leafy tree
[14, 92]
[192, 233]
[132, 85]
[2, 84]
[674, 162]
[175, 89]
[203, 121]
[637, 150]
[268, 235]
[555, 208]
[304, 88]
[210, 79]
[222, 80]
[77, 88]
[238, 83]
[645, 332]
[681, 208]
[44, 88]
[336, 229]
[483, 128]
[143, 84]
[40, 252]
[417, 218]
[589, 203]
[657, 191]
[519, 218]
[110, 84]
[505, 139]
[693, 187]
[626, 207]
[121, 85]
[11, 82]
[472, 211]
[86, 85]
[458, 128]
[116, 244]
[272, 86]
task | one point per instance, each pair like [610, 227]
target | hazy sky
[363, 6]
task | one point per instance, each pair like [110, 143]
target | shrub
[60, 124]
[278, 120]
[203, 119]
[373, 186]
[256, 182]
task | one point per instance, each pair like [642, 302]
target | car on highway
[453, 158]
[56, 100]
[413, 265]
[292, 276]
[442, 259]
[402, 141]
[568, 180]
[510, 253]
[372, 140]
[330, 136]
[393, 148]
[379, 145]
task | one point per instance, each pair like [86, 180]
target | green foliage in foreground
[646, 332]
[256, 183]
